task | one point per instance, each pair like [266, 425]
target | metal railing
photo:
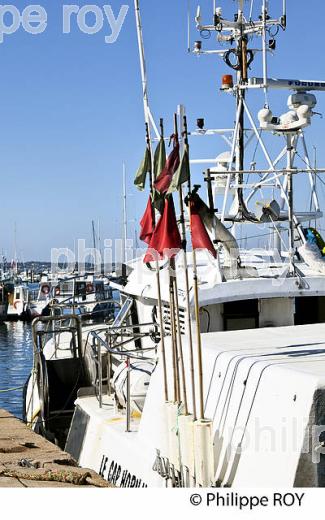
[39, 334]
[117, 351]
[119, 344]
[67, 304]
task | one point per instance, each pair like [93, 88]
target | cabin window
[99, 288]
[108, 293]
[276, 312]
[17, 295]
[310, 309]
[241, 315]
[81, 289]
[66, 288]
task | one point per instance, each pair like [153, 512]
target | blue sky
[71, 113]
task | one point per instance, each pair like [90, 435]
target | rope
[11, 389]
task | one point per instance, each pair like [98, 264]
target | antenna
[284, 14]
[264, 35]
[147, 112]
[251, 10]
[198, 15]
[188, 26]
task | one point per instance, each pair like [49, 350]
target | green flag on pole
[158, 201]
[159, 158]
[182, 173]
[144, 169]
[159, 164]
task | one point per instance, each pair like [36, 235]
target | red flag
[200, 236]
[166, 236]
[163, 180]
[146, 223]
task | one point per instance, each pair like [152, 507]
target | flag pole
[159, 298]
[198, 332]
[144, 79]
[180, 345]
[196, 304]
[187, 283]
[173, 325]
[149, 119]
[173, 311]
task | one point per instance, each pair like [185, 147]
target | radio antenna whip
[147, 112]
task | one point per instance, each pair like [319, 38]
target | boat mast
[15, 250]
[94, 234]
[241, 78]
[125, 221]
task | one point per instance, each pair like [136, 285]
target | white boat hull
[264, 392]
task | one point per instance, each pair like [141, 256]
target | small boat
[42, 297]
[91, 296]
[14, 302]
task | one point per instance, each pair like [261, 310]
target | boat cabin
[258, 313]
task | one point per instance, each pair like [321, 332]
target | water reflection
[15, 363]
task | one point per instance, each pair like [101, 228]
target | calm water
[15, 363]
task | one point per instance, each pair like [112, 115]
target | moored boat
[213, 372]
[14, 302]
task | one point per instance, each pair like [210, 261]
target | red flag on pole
[146, 223]
[163, 181]
[200, 236]
[166, 239]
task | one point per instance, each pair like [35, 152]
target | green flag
[159, 164]
[160, 158]
[182, 173]
[144, 169]
[158, 201]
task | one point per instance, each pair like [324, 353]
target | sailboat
[213, 371]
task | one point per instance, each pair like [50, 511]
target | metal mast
[125, 221]
[241, 78]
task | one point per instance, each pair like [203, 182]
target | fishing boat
[42, 296]
[14, 301]
[213, 371]
[87, 293]
[3, 302]
[61, 364]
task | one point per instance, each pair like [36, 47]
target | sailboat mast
[15, 249]
[125, 222]
[94, 234]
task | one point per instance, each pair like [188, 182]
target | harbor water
[16, 357]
